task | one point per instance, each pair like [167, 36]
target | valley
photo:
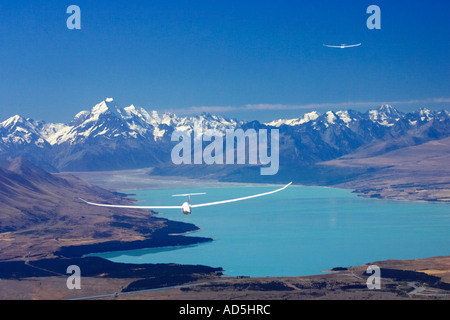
[41, 215]
[45, 168]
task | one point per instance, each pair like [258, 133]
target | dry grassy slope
[41, 212]
[419, 172]
[425, 156]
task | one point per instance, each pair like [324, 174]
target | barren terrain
[400, 279]
[414, 173]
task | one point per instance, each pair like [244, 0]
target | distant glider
[343, 46]
[186, 208]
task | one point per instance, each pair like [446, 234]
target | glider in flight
[186, 208]
[343, 46]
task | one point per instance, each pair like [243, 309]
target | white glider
[343, 46]
[186, 208]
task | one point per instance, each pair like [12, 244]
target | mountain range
[109, 137]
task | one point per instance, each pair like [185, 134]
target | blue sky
[246, 59]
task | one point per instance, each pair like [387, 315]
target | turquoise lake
[299, 231]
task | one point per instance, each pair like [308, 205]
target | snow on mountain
[52, 132]
[386, 115]
[426, 114]
[111, 137]
[344, 116]
[331, 117]
[20, 131]
[11, 121]
[307, 117]
[105, 107]
[80, 117]
[107, 120]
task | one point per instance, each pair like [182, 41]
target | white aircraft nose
[186, 208]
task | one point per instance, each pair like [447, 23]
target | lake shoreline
[207, 283]
[206, 255]
[416, 279]
[172, 235]
[141, 179]
[144, 179]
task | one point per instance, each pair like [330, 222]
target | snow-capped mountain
[385, 115]
[111, 137]
[17, 131]
[107, 136]
[307, 117]
[109, 121]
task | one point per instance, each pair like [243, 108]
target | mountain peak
[424, 111]
[81, 116]
[388, 110]
[386, 115]
[305, 118]
[108, 103]
[106, 106]
[426, 114]
[131, 108]
[12, 121]
[331, 117]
